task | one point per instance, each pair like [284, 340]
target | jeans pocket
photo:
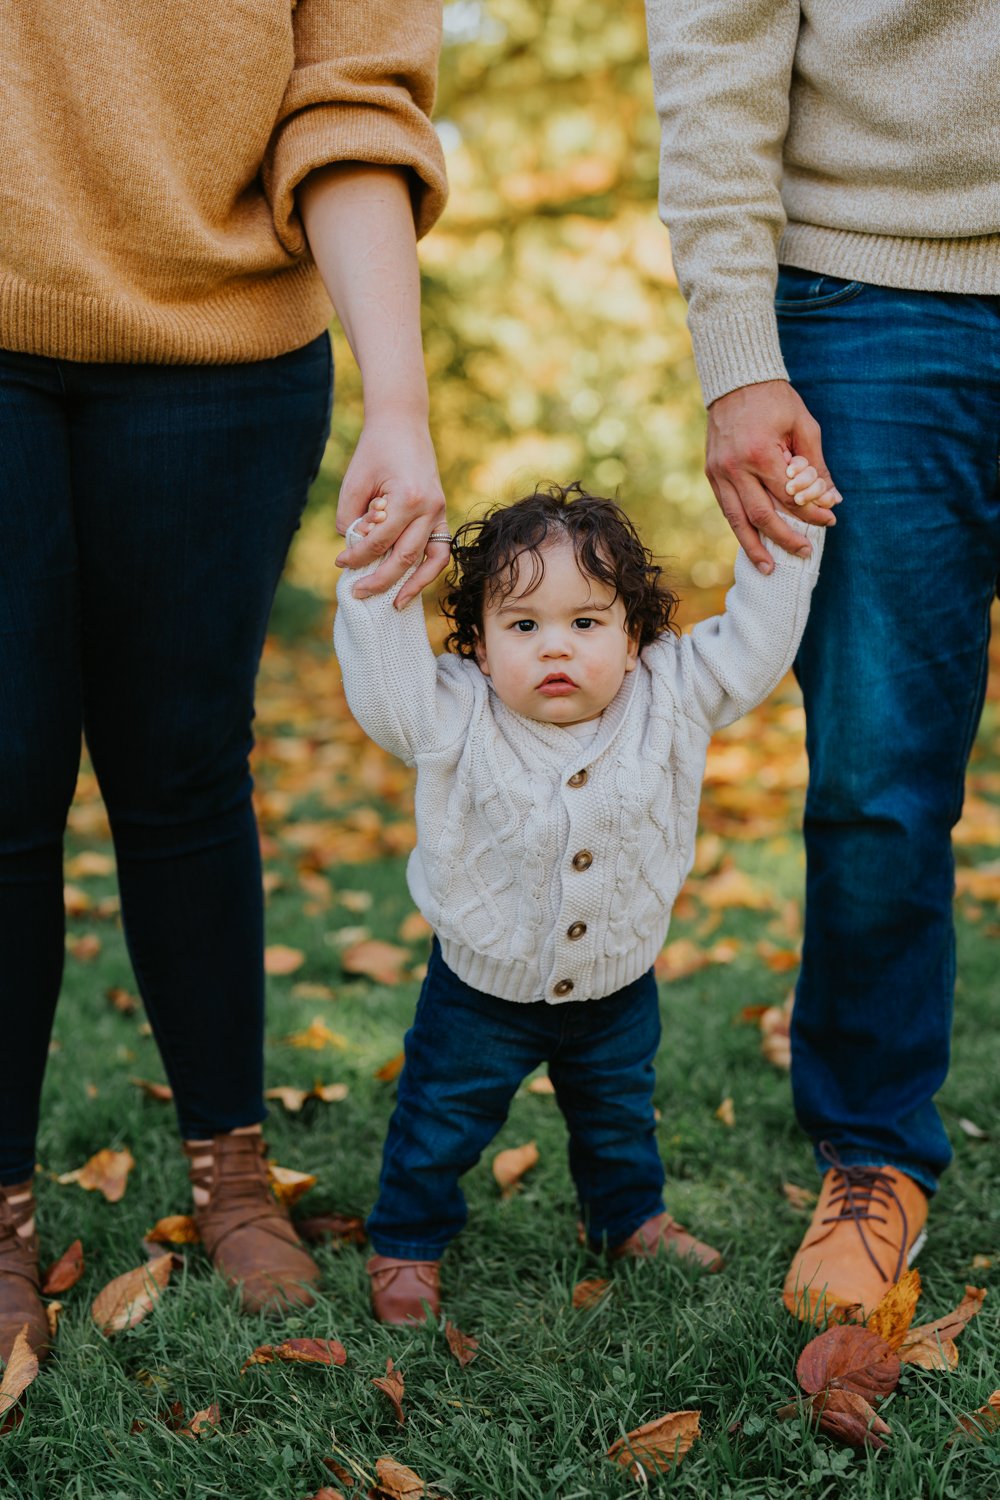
[808, 291]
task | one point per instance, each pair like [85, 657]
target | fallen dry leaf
[346, 1227]
[279, 960]
[397, 1482]
[287, 1185]
[89, 863]
[981, 1422]
[175, 1229]
[19, 1372]
[392, 1069]
[356, 901]
[339, 1472]
[123, 1002]
[973, 1131]
[731, 887]
[329, 1093]
[464, 1347]
[798, 1197]
[316, 1036]
[305, 989]
[589, 1292]
[391, 1384]
[128, 1299]
[327, 1492]
[298, 1351]
[76, 902]
[894, 1314]
[658, 1445]
[511, 1165]
[383, 962]
[201, 1423]
[161, 1092]
[931, 1345]
[845, 1417]
[52, 1311]
[982, 1262]
[775, 1042]
[65, 1272]
[290, 1098]
[849, 1358]
[726, 1113]
[414, 927]
[85, 948]
[106, 1172]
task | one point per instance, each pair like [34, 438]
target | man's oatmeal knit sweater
[855, 138]
[549, 871]
[149, 156]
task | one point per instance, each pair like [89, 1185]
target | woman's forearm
[359, 222]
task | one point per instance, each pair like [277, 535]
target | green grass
[531, 1418]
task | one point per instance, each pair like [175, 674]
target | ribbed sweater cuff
[737, 346]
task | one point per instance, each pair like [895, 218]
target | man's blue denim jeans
[145, 512]
[906, 389]
[466, 1055]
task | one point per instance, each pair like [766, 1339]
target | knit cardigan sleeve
[361, 89]
[731, 662]
[404, 697]
[722, 72]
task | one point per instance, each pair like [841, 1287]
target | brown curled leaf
[849, 1358]
[391, 1385]
[658, 1445]
[464, 1347]
[65, 1272]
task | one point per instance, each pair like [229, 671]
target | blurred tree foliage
[554, 330]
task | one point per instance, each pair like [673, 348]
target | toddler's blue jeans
[906, 388]
[466, 1055]
[145, 512]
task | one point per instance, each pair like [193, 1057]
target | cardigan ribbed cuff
[737, 345]
[970, 266]
[509, 980]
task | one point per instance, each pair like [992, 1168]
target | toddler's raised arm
[402, 695]
[731, 662]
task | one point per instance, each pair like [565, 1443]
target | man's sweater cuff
[739, 348]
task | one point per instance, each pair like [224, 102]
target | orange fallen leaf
[128, 1299]
[657, 1445]
[339, 1472]
[932, 1345]
[122, 1001]
[982, 1262]
[161, 1092]
[849, 1358]
[298, 1352]
[52, 1311]
[84, 948]
[201, 1423]
[65, 1272]
[329, 1093]
[511, 1165]
[19, 1372]
[307, 990]
[845, 1417]
[290, 1098]
[287, 1185]
[280, 960]
[397, 1482]
[383, 962]
[726, 1113]
[391, 1384]
[981, 1422]
[356, 901]
[89, 863]
[76, 902]
[891, 1318]
[798, 1197]
[316, 1036]
[392, 1069]
[588, 1293]
[327, 1492]
[731, 887]
[106, 1172]
[464, 1347]
[541, 1085]
[175, 1229]
[345, 1227]
[414, 927]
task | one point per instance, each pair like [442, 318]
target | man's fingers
[761, 513]
[746, 534]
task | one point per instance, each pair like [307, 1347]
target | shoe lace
[236, 1179]
[13, 1216]
[861, 1191]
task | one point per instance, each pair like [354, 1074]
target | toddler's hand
[804, 485]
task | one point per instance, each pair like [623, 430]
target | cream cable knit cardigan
[549, 873]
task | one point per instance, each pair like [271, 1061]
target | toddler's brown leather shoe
[662, 1234]
[20, 1303]
[400, 1288]
[866, 1228]
[244, 1228]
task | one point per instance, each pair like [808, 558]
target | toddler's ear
[632, 657]
[484, 665]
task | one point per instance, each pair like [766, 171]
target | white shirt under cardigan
[548, 870]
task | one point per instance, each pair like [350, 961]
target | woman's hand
[392, 480]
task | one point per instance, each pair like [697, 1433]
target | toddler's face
[560, 652]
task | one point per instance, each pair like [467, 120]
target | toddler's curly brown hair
[485, 553]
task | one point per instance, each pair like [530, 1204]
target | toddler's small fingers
[796, 465]
[829, 498]
[811, 493]
[801, 480]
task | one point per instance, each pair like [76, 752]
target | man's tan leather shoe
[662, 1234]
[20, 1304]
[400, 1288]
[867, 1227]
[244, 1228]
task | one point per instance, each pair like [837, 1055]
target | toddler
[560, 747]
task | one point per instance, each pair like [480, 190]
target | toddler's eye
[584, 623]
[524, 626]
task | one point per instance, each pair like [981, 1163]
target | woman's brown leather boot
[20, 1304]
[245, 1229]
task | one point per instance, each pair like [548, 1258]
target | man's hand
[754, 433]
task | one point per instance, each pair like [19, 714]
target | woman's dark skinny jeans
[145, 514]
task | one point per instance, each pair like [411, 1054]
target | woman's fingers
[410, 548]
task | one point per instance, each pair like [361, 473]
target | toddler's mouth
[556, 684]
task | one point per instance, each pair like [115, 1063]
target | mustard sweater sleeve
[362, 89]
